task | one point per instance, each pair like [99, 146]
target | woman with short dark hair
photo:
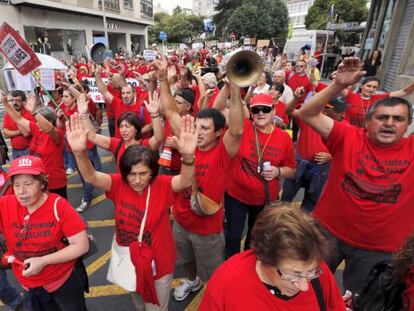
[283, 271]
[142, 202]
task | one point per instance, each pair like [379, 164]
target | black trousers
[69, 297]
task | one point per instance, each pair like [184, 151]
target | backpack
[381, 292]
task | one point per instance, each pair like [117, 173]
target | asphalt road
[100, 217]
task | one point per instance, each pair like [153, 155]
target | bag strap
[260, 165]
[55, 209]
[319, 293]
[117, 149]
[144, 219]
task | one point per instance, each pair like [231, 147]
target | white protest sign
[47, 79]
[150, 55]
[93, 89]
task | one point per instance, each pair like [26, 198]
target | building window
[146, 9]
[110, 5]
[128, 4]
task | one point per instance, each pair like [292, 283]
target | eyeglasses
[264, 109]
[300, 66]
[295, 278]
[26, 226]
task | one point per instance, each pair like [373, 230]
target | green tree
[179, 26]
[224, 9]
[265, 19]
[345, 10]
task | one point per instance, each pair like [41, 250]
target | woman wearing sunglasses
[46, 236]
[283, 271]
[266, 154]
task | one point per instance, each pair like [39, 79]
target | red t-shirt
[18, 142]
[43, 237]
[143, 69]
[408, 294]
[119, 108]
[320, 87]
[51, 153]
[113, 145]
[196, 91]
[309, 141]
[246, 184]
[129, 211]
[212, 174]
[280, 111]
[358, 107]
[367, 201]
[235, 286]
[296, 81]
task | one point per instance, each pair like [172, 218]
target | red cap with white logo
[27, 165]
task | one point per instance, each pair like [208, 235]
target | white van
[302, 37]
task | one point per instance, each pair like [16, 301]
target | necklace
[260, 154]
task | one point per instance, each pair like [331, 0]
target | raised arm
[186, 146]
[221, 99]
[404, 92]
[98, 139]
[348, 73]
[77, 135]
[234, 133]
[291, 105]
[101, 85]
[153, 108]
[167, 101]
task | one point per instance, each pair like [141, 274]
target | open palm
[187, 142]
[76, 134]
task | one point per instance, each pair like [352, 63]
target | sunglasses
[300, 66]
[264, 109]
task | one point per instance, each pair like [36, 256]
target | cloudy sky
[171, 4]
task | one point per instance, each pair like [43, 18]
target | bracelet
[153, 116]
[188, 163]
[279, 172]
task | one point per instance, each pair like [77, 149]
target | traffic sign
[163, 36]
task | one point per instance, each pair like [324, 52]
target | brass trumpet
[244, 68]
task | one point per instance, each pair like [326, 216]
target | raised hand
[298, 93]
[153, 105]
[76, 134]
[160, 65]
[349, 72]
[187, 142]
[30, 104]
[82, 104]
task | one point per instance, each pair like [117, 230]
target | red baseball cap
[27, 165]
[261, 100]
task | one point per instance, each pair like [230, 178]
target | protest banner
[150, 55]
[17, 51]
[93, 89]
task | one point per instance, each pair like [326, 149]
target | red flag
[17, 51]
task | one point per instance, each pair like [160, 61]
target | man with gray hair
[366, 205]
[279, 76]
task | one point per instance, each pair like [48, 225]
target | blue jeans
[17, 153]
[69, 162]
[96, 163]
[8, 294]
[310, 176]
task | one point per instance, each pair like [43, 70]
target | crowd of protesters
[188, 142]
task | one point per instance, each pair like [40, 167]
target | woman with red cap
[266, 154]
[143, 251]
[45, 236]
[47, 142]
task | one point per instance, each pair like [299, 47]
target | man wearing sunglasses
[266, 154]
[298, 79]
